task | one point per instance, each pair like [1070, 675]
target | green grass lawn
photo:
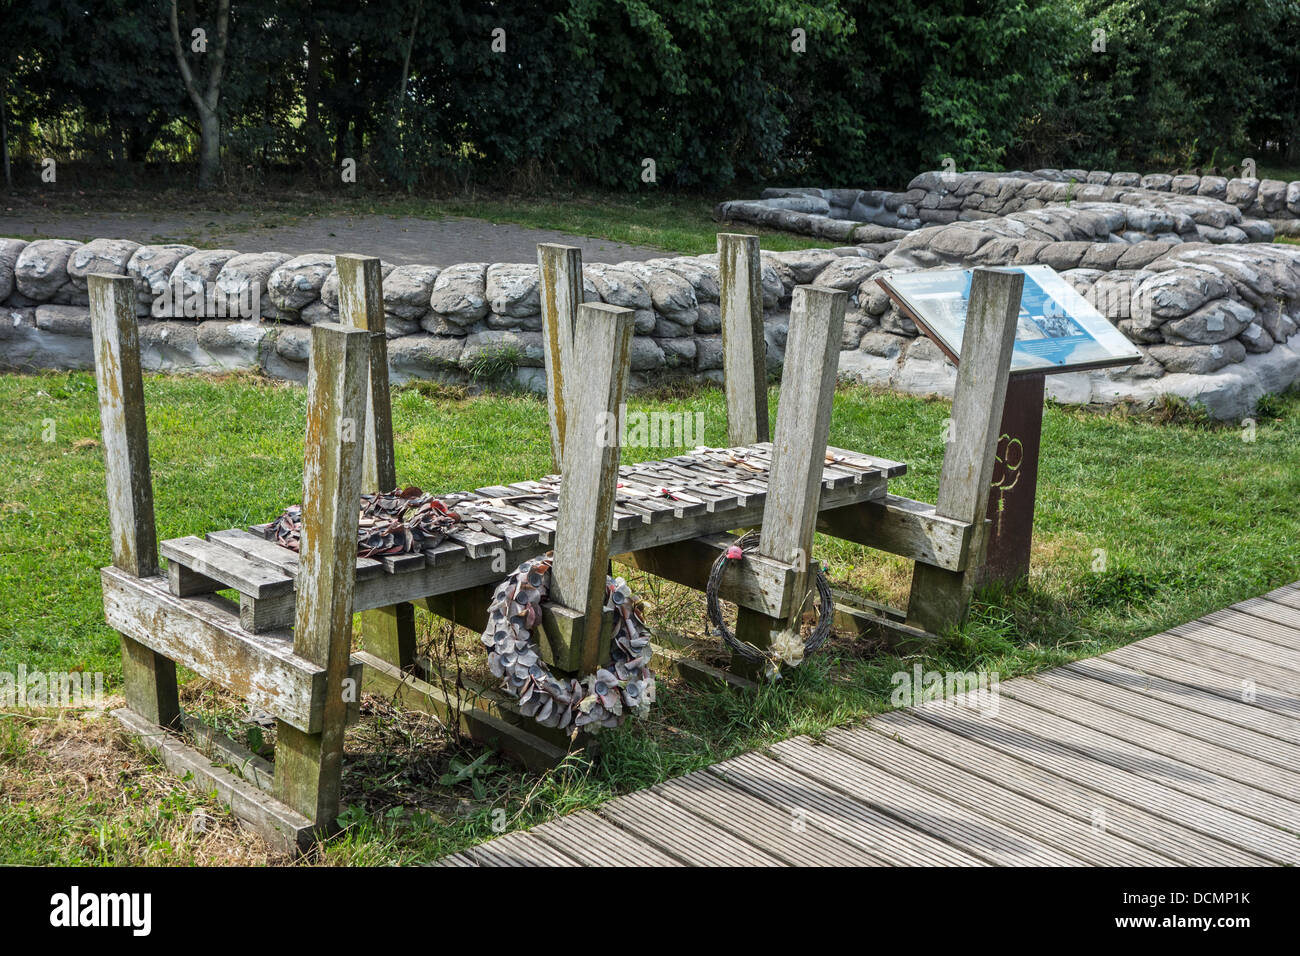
[1190, 518]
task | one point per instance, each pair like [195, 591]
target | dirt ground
[400, 240]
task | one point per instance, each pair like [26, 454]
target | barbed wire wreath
[604, 699]
[786, 647]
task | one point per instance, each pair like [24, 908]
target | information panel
[1058, 330]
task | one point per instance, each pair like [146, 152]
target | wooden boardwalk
[1180, 749]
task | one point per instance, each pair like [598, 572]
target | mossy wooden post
[575, 631]
[308, 767]
[560, 270]
[744, 350]
[798, 454]
[388, 632]
[940, 598]
[149, 677]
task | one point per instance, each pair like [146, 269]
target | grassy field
[1190, 517]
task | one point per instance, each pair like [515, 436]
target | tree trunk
[4, 132]
[209, 149]
[206, 100]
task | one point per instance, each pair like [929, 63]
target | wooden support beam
[149, 678]
[560, 269]
[308, 767]
[388, 632]
[904, 527]
[602, 343]
[803, 421]
[744, 350]
[757, 583]
[940, 598]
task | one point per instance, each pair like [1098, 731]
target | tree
[207, 100]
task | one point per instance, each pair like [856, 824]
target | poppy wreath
[401, 521]
[786, 647]
[624, 686]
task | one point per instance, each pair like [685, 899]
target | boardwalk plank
[1226, 639]
[1153, 736]
[1183, 712]
[1256, 618]
[1081, 800]
[1225, 662]
[1231, 687]
[1076, 836]
[922, 809]
[668, 826]
[1094, 770]
[829, 810]
[770, 828]
[594, 841]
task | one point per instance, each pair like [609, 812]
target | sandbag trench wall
[1215, 321]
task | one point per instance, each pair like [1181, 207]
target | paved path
[400, 240]
[1180, 749]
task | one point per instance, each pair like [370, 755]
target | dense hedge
[711, 91]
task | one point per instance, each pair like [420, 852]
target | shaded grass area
[1140, 525]
[675, 222]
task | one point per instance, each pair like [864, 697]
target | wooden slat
[1189, 697]
[692, 838]
[769, 828]
[520, 849]
[1214, 727]
[255, 546]
[1132, 784]
[833, 812]
[1139, 658]
[594, 841]
[1076, 836]
[246, 575]
[905, 527]
[1266, 620]
[1150, 735]
[1225, 662]
[1240, 644]
[1085, 803]
[921, 809]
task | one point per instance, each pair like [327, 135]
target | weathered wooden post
[940, 598]
[308, 767]
[560, 271]
[576, 632]
[149, 677]
[744, 350]
[798, 453]
[388, 632]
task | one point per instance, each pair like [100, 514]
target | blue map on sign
[1057, 330]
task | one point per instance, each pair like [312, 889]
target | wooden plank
[219, 747]
[1085, 803]
[246, 575]
[817, 805]
[203, 634]
[149, 679]
[1187, 697]
[1172, 645]
[273, 821]
[1193, 721]
[1136, 787]
[520, 848]
[268, 552]
[905, 527]
[1074, 835]
[560, 283]
[1231, 687]
[601, 343]
[940, 598]
[1270, 815]
[308, 766]
[921, 809]
[594, 841]
[668, 826]
[857, 459]
[795, 480]
[1242, 645]
[1265, 619]
[744, 349]
[760, 824]
[1150, 735]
